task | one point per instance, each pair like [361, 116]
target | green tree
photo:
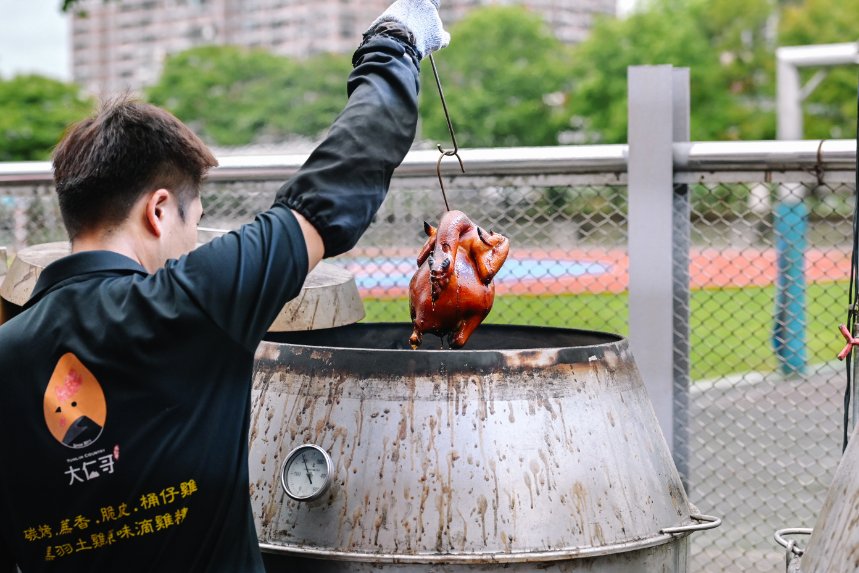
[317, 96]
[224, 93]
[235, 96]
[36, 112]
[724, 44]
[830, 110]
[70, 5]
[504, 77]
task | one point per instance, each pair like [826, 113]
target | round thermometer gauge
[306, 473]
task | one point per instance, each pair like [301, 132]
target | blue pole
[791, 223]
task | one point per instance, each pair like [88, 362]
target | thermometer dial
[306, 473]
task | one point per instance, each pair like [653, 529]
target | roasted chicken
[452, 291]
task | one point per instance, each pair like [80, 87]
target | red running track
[709, 268]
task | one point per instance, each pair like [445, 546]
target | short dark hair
[105, 163]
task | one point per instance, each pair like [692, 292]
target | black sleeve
[242, 279]
[7, 563]
[344, 181]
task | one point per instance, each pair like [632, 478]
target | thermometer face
[306, 473]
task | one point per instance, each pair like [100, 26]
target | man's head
[129, 150]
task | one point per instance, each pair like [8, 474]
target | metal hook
[444, 153]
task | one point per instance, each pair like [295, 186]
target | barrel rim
[476, 558]
[381, 351]
[609, 338]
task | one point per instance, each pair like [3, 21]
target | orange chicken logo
[75, 407]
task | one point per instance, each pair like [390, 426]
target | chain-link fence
[764, 430]
[567, 267]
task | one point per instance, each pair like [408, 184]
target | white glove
[422, 19]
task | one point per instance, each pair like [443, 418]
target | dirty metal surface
[531, 445]
[834, 543]
[668, 558]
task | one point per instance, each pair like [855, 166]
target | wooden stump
[26, 268]
[328, 298]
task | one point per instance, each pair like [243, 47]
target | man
[126, 380]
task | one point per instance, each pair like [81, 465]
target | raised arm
[250, 273]
[343, 183]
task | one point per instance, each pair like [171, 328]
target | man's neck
[110, 240]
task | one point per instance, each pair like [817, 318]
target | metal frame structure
[693, 162]
[789, 91]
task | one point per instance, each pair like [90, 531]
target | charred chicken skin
[452, 291]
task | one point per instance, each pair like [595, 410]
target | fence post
[682, 242]
[659, 247]
[790, 222]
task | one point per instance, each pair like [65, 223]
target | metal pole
[760, 160]
[789, 92]
[790, 214]
[789, 224]
[790, 221]
[651, 265]
[788, 98]
[682, 244]
[854, 398]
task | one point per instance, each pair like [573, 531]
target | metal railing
[769, 158]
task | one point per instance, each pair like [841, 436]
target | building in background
[122, 45]
[571, 20]
[118, 46]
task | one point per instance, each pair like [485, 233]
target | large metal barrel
[536, 448]
[834, 543]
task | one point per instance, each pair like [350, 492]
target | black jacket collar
[79, 264]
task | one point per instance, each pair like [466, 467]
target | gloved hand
[422, 19]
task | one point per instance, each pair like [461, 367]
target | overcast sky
[33, 38]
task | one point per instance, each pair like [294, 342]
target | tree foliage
[236, 96]
[722, 42]
[509, 81]
[67, 5]
[830, 110]
[36, 112]
[504, 77]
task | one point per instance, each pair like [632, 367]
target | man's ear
[156, 209]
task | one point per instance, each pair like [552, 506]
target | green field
[731, 327]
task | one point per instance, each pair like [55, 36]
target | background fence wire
[763, 445]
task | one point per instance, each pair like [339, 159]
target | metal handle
[707, 522]
[444, 153]
[791, 550]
